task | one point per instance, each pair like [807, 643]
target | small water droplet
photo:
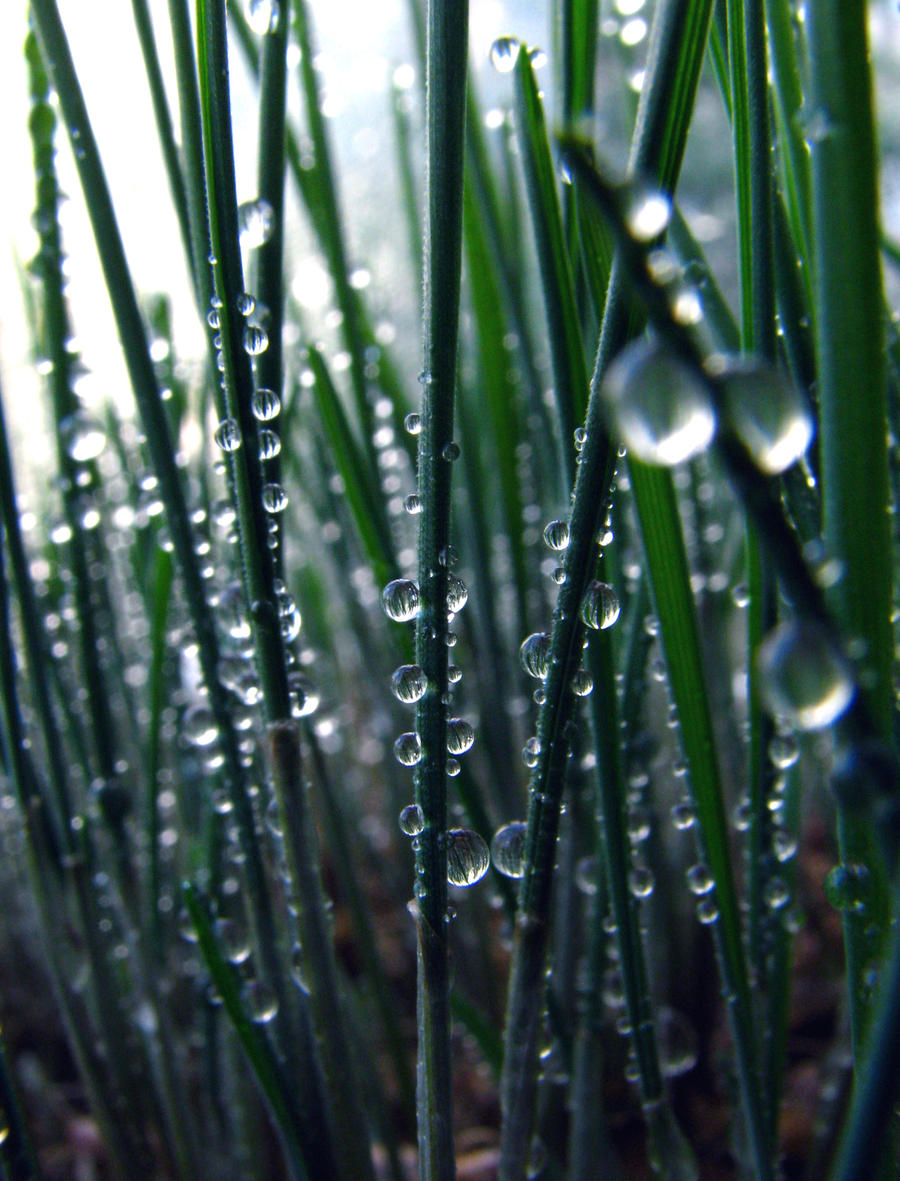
[531, 752]
[199, 726]
[256, 222]
[640, 881]
[263, 16]
[582, 683]
[412, 820]
[766, 410]
[803, 677]
[261, 1001]
[707, 910]
[408, 749]
[556, 535]
[508, 849]
[246, 304]
[534, 655]
[265, 405]
[776, 893]
[400, 600]
[269, 444]
[647, 214]
[82, 437]
[452, 767]
[409, 683]
[460, 736]
[699, 880]
[450, 452]
[413, 424]
[662, 410]
[457, 594]
[412, 504]
[468, 857]
[600, 606]
[683, 815]
[784, 751]
[274, 498]
[256, 340]
[848, 887]
[505, 54]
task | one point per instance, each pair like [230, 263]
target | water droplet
[579, 438]
[199, 726]
[228, 435]
[409, 683]
[640, 881]
[534, 655]
[261, 1001]
[274, 498]
[531, 752]
[556, 535]
[849, 887]
[413, 424]
[699, 880]
[586, 875]
[784, 845]
[582, 683]
[776, 893]
[452, 767]
[600, 606]
[505, 54]
[82, 437]
[263, 16]
[454, 674]
[246, 304]
[460, 736]
[766, 410]
[400, 600]
[784, 751]
[269, 444]
[740, 596]
[298, 968]
[803, 677]
[408, 749]
[647, 214]
[450, 452]
[508, 849]
[457, 594]
[235, 940]
[683, 815]
[304, 697]
[265, 405]
[707, 910]
[412, 820]
[677, 1042]
[661, 409]
[256, 222]
[256, 340]
[468, 857]
[412, 504]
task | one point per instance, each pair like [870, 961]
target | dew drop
[412, 504]
[661, 409]
[82, 437]
[699, 880]
[582, 683]
[409, 683]
[246, 304]
[274, 498]
[508, 849]
[556, 535]
[261, 1001]
[677, 1042]
[707, 910]
[413, 424]
[460, 736]
[766, 410]
[452, 767]
[256, 222]
[784, 751]
[683, 815]
[600, 606]
[640, 881]
[412, 820]
[269, 444]
[647, 214]
[534, 655]
[265, 405]
[505, 54]
[263, 16]
[228, 435]
[803, 678]
[776, 893]
[586, 869]
[400, 600]
[848, 887]
[256, 340]
[199, 726]
[468, 857]
[450, 452]
[457, 594]
[531, 752]
[408, 749]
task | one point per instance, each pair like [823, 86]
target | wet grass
[594, 602]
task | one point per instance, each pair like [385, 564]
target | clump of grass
[228, 668]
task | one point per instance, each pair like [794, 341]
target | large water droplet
[82, 437]
[531, 752]
[256, 222]
[409, 683]
[256, 340]
[556, 535]
[228, 435]
[600, 606]
[508, 849]
[412, 820]
[400, 600]
[803, 677]
[269, 444]
[199, 726]
[263, 15]
[766, 410]
[457, 594]
[647, 214]
[265, 405]
[408, 749]
[274, 498]
[661, 409]
[460, 736]
[534, 655]
[468, 857]
[261, 1001]
[505, 54]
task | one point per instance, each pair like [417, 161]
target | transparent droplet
[508, 849]
[408, 749]
[468, 857]
[298, 968]
[556, 535]
[640, 881]
[452, 767]
[228, 435]
[683, 815]
[647, 214]
[661, 409]
[82, 437]
[413, 424]
[269, 444]
[534, 655]
[776, 893]
[274, 498]
[234, 939]
[582, 683]
[400, 600]
[531, 752]
[766, 411]
[699, 880]
[263, 16]
[450, 452]
[261, 1001]
[784, 845]
[707, 910]
[460, 736]
[305, 698]
[256, 222]
[408, 683]
[412, 504]
[256, 340]
[586, 869]
[600, 606]
[412, 820]
[803, 678]
[505, 54]
[199, 726]
[457, 594]
[784, 751]
[265, 405]
[677, 1040]
[849, 887]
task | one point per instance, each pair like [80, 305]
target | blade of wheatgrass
[850, 358]
[17, 1159]
[447, 48]
[254, 1043]
[156, 684]
[570, 379]
[401, 109]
